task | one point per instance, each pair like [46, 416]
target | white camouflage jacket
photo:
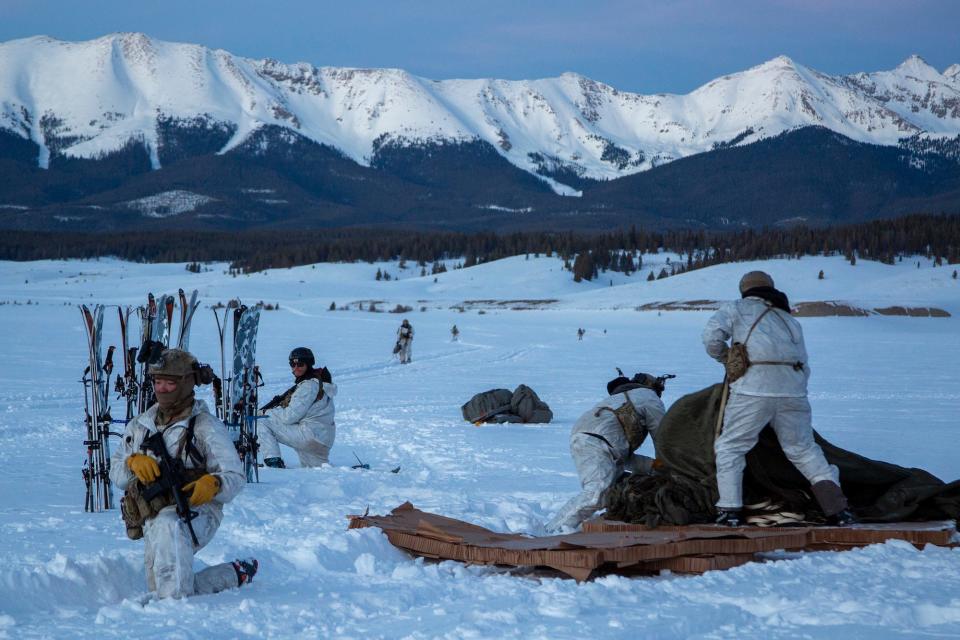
[210, 437]
[648, 405]
[306, 410]
[778, 337]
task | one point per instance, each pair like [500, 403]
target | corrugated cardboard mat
[617, 547]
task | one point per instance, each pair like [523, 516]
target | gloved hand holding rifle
[169, 476]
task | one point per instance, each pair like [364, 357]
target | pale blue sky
[641, 46]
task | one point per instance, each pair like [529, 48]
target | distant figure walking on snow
[455, 334]
[767, 370]
[404, 346]
[302, 417]
[580, 333]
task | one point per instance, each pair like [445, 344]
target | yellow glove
[203, 489]
[144, 467]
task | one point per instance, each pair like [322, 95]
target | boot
[729, 518]
[276, 463]
[843, 519]
[830, 497]
[246, 569]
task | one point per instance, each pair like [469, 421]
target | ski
[149, 351]
[183, 315]
[96, 383]
[221, 395]
[187, 309]
[245, 382]
[128, 387]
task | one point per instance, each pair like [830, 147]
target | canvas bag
[738, 360]
[527, 404]
[633, 425]
[485, 403]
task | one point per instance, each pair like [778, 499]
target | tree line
[932, 235]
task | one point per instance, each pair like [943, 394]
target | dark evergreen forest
[936, 236]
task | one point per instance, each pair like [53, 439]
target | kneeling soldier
[603, 442]
[302, 417]
[178, 467]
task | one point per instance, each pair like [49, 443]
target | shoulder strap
[797, 366]
[756, 322]
[597, 413]
[189, 446]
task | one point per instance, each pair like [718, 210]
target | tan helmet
[755, 279]
[175, 363]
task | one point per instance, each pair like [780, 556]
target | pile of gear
[502, 405]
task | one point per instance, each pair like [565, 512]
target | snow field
[885, 387]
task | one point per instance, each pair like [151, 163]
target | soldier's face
[298, 368]
[164, 385]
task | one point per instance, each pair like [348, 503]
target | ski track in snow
[883, 387]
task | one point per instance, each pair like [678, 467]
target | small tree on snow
[820, 276]
[651, 277]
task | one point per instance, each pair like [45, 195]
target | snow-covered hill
[884, 387]
[84, 99]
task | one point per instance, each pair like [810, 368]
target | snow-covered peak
[952, 72]
[780, 63]
[917, 67]
[89, 98]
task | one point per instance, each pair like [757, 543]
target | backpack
[527, 404]
[633, 424]
[487, 404]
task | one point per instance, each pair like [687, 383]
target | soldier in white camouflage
[771, 390]
[204, 453]
[603, 444]
[302, 417]
[404, 345]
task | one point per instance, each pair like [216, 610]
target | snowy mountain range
[128, 93]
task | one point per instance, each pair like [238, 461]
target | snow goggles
[297, 363]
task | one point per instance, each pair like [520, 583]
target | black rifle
[172, 478]
[279, 399]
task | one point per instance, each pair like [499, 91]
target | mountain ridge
[548, 127]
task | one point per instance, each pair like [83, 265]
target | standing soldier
[404, 346]
[302, 417]
[580, 333]
[178, 447]
[455, 333]
[767, 371]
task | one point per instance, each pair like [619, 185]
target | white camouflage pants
[406, 351]
[744, 419]
[168, 555]
[598, 468]
[298, 437]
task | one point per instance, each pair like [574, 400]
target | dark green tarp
[685, 491]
